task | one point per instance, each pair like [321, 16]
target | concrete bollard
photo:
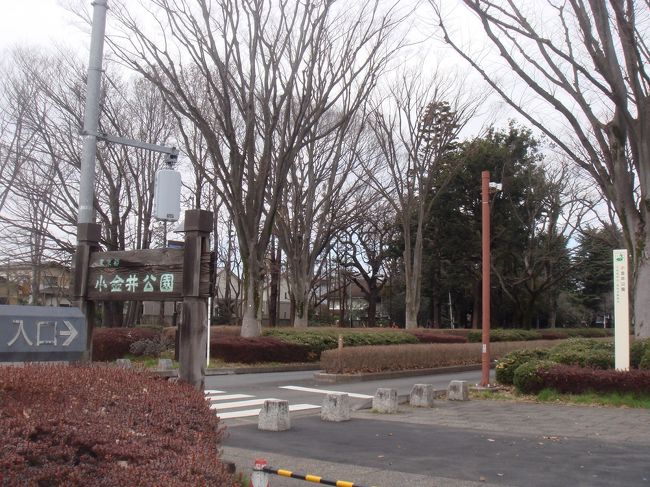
[274, 416]
[336, 407]
[458, 390]
[421, 396]
[385, 400]
[165, 364]
[124, 363]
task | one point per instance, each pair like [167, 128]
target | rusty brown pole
[485, 211]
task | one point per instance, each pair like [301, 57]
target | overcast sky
[37, 23]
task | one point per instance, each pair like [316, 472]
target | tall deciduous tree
[413, 129]
[588, 63]
[266, 71]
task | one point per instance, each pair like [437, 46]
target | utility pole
[86, 212]
[486, 188]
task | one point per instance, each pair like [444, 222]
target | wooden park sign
[144, 275]
[153, 275]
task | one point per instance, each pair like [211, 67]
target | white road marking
[324, 391]
[227, 397]
[239, 404]
[213, 391]
[254, 412]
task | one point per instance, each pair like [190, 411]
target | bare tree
[316, 205]
[267, 71]
[590, 68]
[367, 243]
[413, 129]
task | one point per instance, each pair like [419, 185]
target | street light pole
[485, 212]
[86, 212]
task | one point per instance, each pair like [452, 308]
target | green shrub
[527, 379]
[584, 352]
[644, 363]
[499, 335]
[506, 366]
[588, 332]
[638, 349]
[320, 340]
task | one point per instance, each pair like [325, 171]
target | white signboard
[621, 311]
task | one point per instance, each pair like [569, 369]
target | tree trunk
[251, 323]
[411, 309]
[372, 307]
[301, 300]
[274, 290]
[641, 301]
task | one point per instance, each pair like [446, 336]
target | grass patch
[614, 399]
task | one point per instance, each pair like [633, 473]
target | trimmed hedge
[109, 344]
[527, 377]
[105, 426]
[515, 335]
[426, 337]
[584, 353]
[506, 366]
[638, 351]
[577, 380]
[327, 339]
[407, 357]
[258, 349]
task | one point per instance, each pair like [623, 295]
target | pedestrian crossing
[223, 403]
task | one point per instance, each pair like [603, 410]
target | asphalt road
[475, 443]
[246, 392]
[453, 453]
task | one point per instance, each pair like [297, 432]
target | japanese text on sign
[150, 283]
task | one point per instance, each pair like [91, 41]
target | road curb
[346, 378]
[241, 370]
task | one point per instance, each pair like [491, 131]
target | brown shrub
[101, 426]
[257, 350]
[112, 343]
[406, 357]
[570, 379]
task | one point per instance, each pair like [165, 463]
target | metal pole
[91, 114]
[485, 212]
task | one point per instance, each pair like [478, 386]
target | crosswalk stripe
[213, 391]
[227, 397]
[324, 391]
[239, 404]
[254, 412]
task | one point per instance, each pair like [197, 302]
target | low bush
[327, 339]
[527, 378]
[553, 334]
[104, 426]
[498, 335]
[112, 343]
[638, 350]
[577, 380]
[644, 363]
[422, 356]
[427, 337]
[151, 347]
[588, 332]
[584, 352]
[506, 366]
[258, 349]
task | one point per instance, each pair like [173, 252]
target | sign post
[621, 311]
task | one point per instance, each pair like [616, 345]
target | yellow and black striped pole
[262, 466]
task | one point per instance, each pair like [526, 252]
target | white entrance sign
[621, 311]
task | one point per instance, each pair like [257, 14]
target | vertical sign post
[621, 311]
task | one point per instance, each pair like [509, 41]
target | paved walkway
[467, 444]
